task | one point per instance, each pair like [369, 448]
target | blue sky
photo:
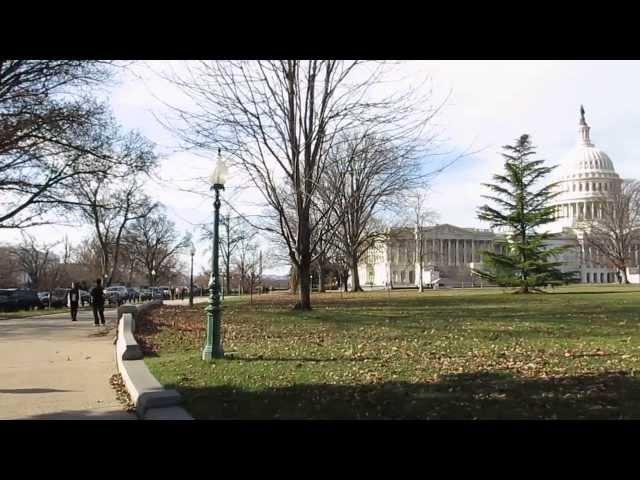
[491, 103]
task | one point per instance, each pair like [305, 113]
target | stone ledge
[137, 309]
[126, 346]
[145, 391]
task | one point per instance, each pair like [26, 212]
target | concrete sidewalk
[186, 301]
[53, 368]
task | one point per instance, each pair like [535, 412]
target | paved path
[53, 368]
[186, 301]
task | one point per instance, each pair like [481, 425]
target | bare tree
[48, 126]
[367, 175]
[615, 231]
[421, 217]
[254, 269]
[278, 119]
[10, 268]
[89, 254]
[35, 259]
[246, 256]
[109, 209]
[154, 241]
[234, 230]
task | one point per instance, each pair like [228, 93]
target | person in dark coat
[73, 298]
[97, 296]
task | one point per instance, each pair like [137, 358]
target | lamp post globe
[192, 252]
[213, 343]
[153, 277]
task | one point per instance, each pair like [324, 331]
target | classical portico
[448, 253]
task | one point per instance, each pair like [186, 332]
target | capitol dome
[585, 160]
[584, 176]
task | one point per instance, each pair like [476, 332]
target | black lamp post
[213, 343]
[193, 252]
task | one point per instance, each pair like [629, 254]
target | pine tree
[522, 208]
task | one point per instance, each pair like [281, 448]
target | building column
[433, 250]
[452, 251]
[473, 250]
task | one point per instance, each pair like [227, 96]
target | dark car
[12, 299]
[146, 294]
[157, 293]
[59, 297]
[85, 297]
[134, 294]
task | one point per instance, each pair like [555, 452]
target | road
[53, 368]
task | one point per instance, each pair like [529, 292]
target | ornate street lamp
[153, 277]
[213, 345]
[193, 252]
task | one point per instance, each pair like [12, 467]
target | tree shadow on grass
[479, 395]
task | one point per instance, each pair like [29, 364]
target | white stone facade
[449, 252]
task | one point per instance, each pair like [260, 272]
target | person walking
[97, 296]
[73, 298]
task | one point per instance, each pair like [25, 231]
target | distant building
[450, 252]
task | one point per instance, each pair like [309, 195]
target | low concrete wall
[151, 400]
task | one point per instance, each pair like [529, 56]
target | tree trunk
[624, 278]
[304, 301]
[228, 279]
[294, 283]
[355, 278]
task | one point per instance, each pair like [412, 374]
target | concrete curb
[151, 400]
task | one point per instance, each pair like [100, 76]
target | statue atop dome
[582, 120]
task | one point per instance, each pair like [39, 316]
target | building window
[586, 186]
[588, 278]
[605, 187]
[411, 276]
[580, 187]
[402, 276]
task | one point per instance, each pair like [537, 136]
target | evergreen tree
[522, 208]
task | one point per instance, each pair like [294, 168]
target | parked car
[18, 299]
[146, 294]
[157, 293]
[85, 297]
[59, 297]
[44, 297]
[121, 293]
[134, 294]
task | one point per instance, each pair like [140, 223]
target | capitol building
[450, 252]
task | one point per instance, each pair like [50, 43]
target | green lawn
[454, 354]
